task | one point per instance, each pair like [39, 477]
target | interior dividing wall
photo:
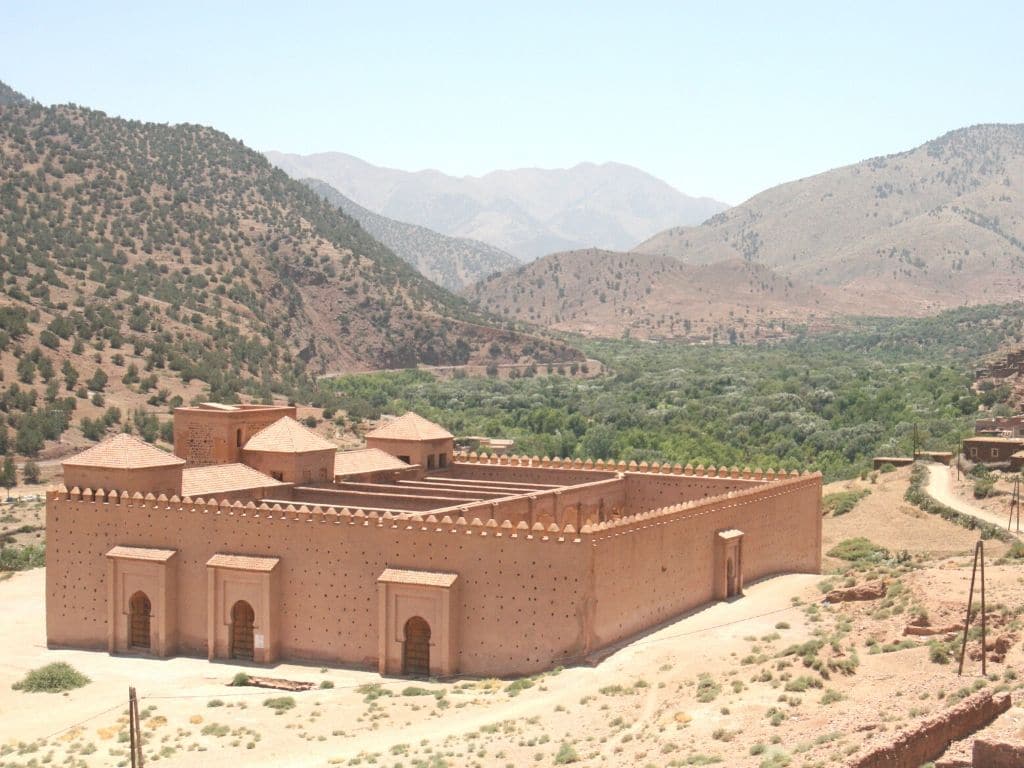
[645, 491]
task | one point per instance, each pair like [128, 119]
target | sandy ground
[722, 683]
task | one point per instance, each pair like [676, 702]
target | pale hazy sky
[720, 99]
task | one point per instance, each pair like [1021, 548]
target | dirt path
[940, 488]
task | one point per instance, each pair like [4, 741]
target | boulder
[871, 590]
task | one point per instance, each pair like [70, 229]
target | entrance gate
[416, 649]
[243, 619]
[139, 610]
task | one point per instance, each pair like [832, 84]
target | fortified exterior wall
[653, 566]
[518, 607]
[531, 594]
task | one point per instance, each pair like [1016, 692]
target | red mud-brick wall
[997, 754]
[930, 738]
[656, 566]
[646, 491]
[520, 593]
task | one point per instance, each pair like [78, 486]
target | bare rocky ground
[776, 678]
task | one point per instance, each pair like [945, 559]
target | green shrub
[240, 679]
[324, 684]
[859, 549]
[413, 690]
[831, 696]
[22, 558]
[984, 487]
[53, 678]
[566, 754]
[843, 501]
[518, 686]
[887, 467]
[280, 704]
[802, 683]
[707, 688]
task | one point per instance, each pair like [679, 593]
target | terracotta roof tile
[410, 426]
[124, 451]
[365, 460]
[286, 435]
[221, 478]
[243, 562]
[142, 553]
[422, 578]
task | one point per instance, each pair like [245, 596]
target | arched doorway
[416, 648]
[243, 617]
[139, 611]
[730, 579]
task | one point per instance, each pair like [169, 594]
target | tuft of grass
[240, 679]
[415, 690]
[518, 686]
[842, 502]
[53, 678]
[215, 703]
[372, 691]
[802, 683]
[707, 688]
[280, 704]
[831, 696]
[566, 754]
[859, 549]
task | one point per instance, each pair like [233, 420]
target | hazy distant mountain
[934, 227]
[909, 234]
[453, 262]
[527, 212]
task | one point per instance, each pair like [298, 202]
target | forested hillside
[452, 262]
[158, 263]
[827, 402]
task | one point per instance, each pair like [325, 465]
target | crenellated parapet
[600, 465]
[101, 500]
[784, 486]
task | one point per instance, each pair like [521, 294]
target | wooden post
[134, 730]
[1014, 504]
[979, 557]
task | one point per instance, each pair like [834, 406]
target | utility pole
[914, 455]
[979, 558]
[1015, 504]
[134, 732]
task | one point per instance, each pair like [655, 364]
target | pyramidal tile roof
[410, 426]
[286, 435]
[365, 460]
[124, 451]
[222, 478]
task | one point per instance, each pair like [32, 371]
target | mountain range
[452, 262]
[527, 212]
[913, 233]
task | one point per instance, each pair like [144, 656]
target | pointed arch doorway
[243, 620]
[416, 648]
[140, 610]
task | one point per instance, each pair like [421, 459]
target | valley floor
[725, 684]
